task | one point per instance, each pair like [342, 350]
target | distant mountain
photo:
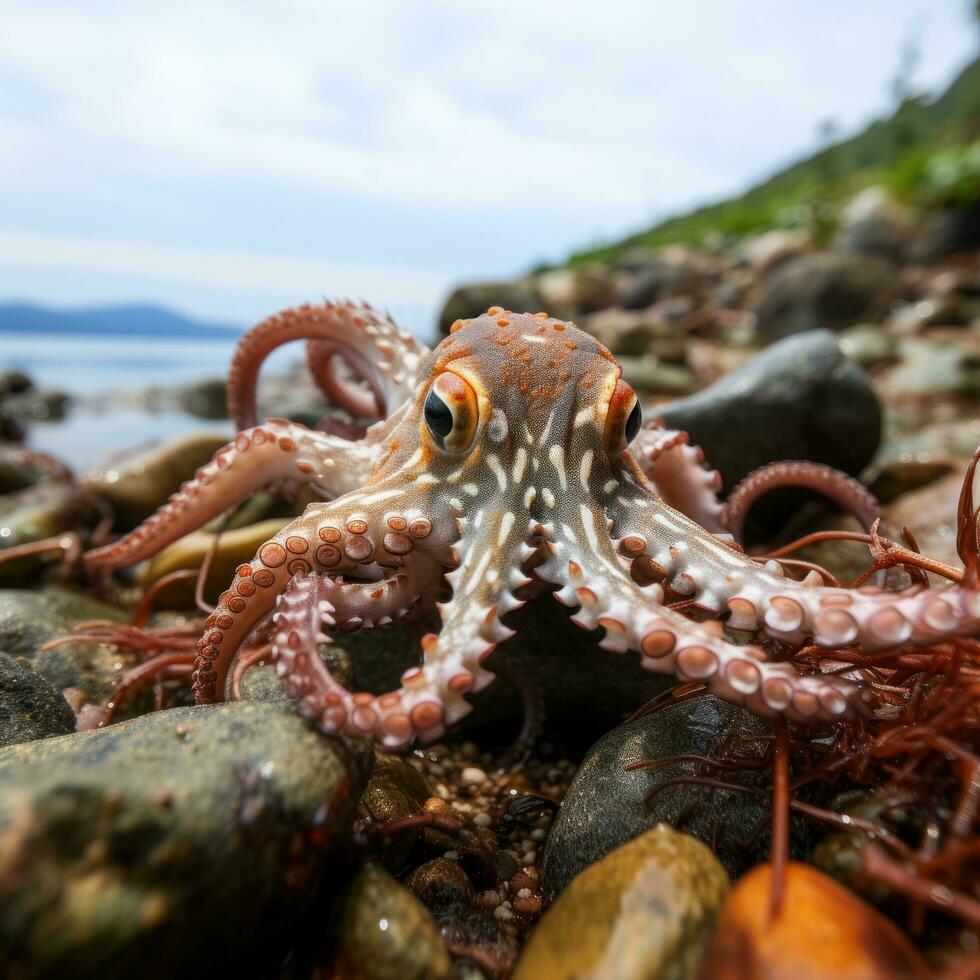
[112, 321]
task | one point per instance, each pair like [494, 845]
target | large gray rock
[605, 805]
[29, 619]
[829, 290]
[30, 708]
[799, 399]
[185, 842]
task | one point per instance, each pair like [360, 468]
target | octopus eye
[451, 412]
[623, 418]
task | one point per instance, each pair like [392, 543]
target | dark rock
[824, 291]
[604, 806]
[659, 279]
[33, 405]
[635, 333]
[441, 883]
[476, 298]
[30, 708]
[30, 619]
[185, 842]
[395, 791]
[387, 934]
[205, 399]
[799, 399]
[14, 382]
[645, 911]
[947, 231]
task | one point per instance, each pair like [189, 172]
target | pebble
[471, 776]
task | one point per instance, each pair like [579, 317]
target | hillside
[130, 321]
[923, 153]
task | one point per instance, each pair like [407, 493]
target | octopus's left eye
[623, 418]
[451, 412]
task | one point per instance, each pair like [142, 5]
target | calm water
[105, 375]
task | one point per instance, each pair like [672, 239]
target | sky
[228, 158]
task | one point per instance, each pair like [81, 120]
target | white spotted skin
[539, 485]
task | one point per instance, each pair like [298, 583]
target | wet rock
[387, 934]
[182, 842]
[605, 805]
[471, 300]
[20, 468]
[236, 546]
[39, 512]
[644, 911]
[204, 399]
[395, 791]
[136, 483]
[867, 345]
[30, 708]
[14, 382]
[824, 291]
[822, 932]
[29, 619]
[799, 399]
[441, 884]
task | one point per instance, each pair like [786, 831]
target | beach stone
[395, 791]
[386, 933]
[798, 399]
[605, 806]
[824, 290]
[661, 277]
[473, 299]
[136, 482]
[821, 931]
[644, 912]
[183, 842]
[30, 708]
[29, 619]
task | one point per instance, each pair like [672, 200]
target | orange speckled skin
[534, 473]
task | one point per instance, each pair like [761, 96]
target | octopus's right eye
[451, 412]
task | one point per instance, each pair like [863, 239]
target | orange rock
[823, 931]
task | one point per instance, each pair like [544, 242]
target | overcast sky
[228, 158]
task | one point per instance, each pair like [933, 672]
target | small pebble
[471, 776]
[482, 820]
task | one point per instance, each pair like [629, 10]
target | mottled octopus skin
[538, 486]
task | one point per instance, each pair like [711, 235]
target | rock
[799, 399]
[235, 547]
[605, 805]
[946, 231]
[824, 291]
[867, 345]
[821, 933]
[764, 252]
[14, 382]
[872, 224]
[441, 884]
[39, 512]
[941, 365]
[644, 911]
[395, 791]
[634, 333]
[20, 468]
[34, 405]
[204, 399]
[183, 842]
[136, 483]
[30, 619]
[575, 289]
[662, 277]
[650, 376]
[471, 300]
[30, 708]
[387, 934]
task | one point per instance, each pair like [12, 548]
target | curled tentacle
[385, 356]
[340, 538]
[844, 490]
[279, 451]
[676, 470]
[636, 618]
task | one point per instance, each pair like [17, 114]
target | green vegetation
[927, 153]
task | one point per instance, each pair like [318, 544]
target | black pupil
[633, 423]
[437, 416]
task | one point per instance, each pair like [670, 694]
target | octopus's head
[520, 411]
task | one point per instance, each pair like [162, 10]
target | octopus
[511, 457]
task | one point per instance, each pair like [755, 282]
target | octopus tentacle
[342, 537]
[635, 618]
[278, 451]
[844, 490]
[431, 695]
[676, 470]
[384, 355]
[670, 547]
